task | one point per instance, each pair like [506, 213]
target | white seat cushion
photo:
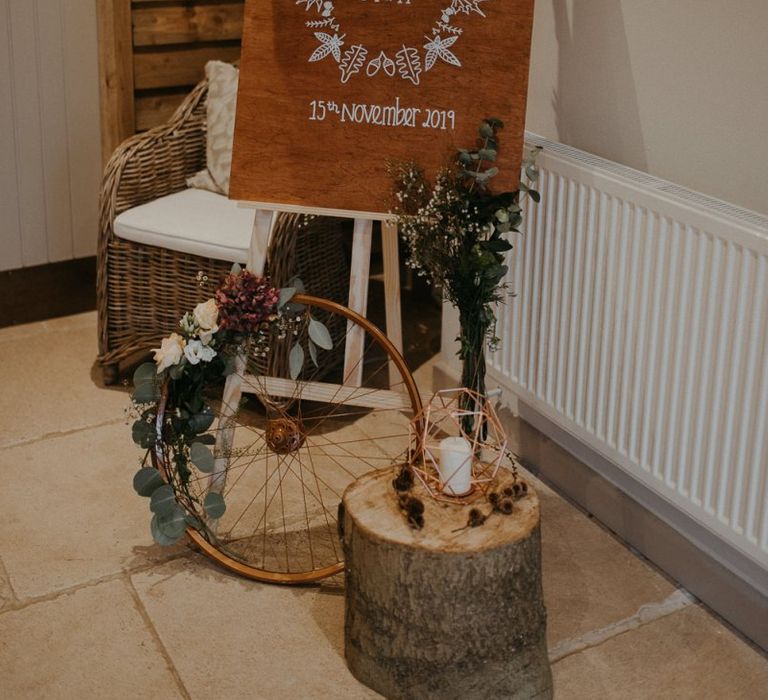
[191, 221]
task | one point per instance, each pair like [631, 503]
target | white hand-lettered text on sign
[393, 114]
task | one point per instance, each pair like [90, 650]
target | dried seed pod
[506, 506]
[493, 498]
[416, 521]
[509, 491]
[476, 518]
[402, 500]
[415, 506]
[404, 479]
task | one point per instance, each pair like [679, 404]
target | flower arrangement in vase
[456, 231]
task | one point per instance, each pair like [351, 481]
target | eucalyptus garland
[243, 319]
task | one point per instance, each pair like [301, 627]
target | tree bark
[441, 613]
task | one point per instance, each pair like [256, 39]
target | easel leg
[358, 300]
[262, 231]
[392, 292]
[233, 387]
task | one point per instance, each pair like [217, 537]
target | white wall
[50, 159]
[675, 88]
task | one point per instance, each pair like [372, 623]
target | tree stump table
[447, 611]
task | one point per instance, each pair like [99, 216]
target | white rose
[195, 351]
[207, 315]
[170, 351]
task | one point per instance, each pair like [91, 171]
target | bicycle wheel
[286, 448]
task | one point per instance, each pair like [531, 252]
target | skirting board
[731, 584]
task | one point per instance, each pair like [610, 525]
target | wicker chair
[143, 290]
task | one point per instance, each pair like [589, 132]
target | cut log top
[372, 504]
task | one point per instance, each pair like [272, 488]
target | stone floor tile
[7, 597]
[226, 634]
[86, 319]
[47, 386]
[68, 512]
[22, 331]
[688, 655]
[92, 643]
[590, 579]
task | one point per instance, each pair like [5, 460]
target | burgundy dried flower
[245, 301]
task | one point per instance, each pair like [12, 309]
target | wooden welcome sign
[330, 90]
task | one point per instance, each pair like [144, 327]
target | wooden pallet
[152, 53]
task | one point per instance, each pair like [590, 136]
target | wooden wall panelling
[172, 66]
[53, 132]
[156, 107]
[24, 71]
[155, 25]
[10, 230]
[154, 52]
[116, 67]
[81, 76]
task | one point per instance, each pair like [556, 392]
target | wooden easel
[263, 225]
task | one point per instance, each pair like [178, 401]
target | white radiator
[641, 328]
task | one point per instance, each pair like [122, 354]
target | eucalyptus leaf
[214, 505]
[296, 360]
[487, 154]
[235, 269]
[193, 521]
[296, 283]
[498, 245]
[163, 500]
[158, 535]
[143, 433]
[286, 294]
[202, 457]
[312, 351]
[319, 334]
[146, 481]
[532, 173]
[200, 422]
[534, 195]
[229, 365]
[146, 392]
[176, 371]
[146, 372]
[206, 439]
[486, 130]
[173, 523]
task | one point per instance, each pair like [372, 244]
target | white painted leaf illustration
[328, 45]
[310, 4]
[409, 64]
[436, 48]
[353, 60]
[467, 7]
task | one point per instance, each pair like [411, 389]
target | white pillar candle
[456, 465]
